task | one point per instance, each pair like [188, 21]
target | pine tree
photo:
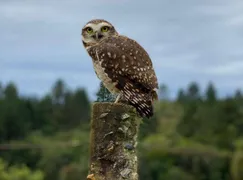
[58, 91]
[11, 91]
[211, 93]
[1, 90]
[163, 92]
[193, 91]
[181, 96]
[103, 95]
[238, 94]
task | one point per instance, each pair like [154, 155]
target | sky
[189, 40]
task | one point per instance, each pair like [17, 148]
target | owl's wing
[130, 60]
[129, 66]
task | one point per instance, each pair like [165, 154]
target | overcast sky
[187, 40]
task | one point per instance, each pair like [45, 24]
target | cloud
[228, 69]
[187, 40]
[39, 82]
[24, 12]
[237, 20]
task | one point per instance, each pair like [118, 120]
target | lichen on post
[113, 141]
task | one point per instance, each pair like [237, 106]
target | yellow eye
[104, 28]
[89, 30]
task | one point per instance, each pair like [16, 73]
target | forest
[196, 136]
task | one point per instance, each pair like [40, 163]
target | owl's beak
[98, 35]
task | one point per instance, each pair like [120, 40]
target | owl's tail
[141, 100]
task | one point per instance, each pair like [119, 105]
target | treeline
[198, 136]
[61, 109]
[47, 133]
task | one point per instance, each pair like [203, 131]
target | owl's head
[96, 30]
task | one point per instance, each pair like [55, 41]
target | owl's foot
[121, 99]
[117, 98]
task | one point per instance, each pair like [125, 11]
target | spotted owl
[123, 66]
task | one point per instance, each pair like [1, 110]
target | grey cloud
[187, 40]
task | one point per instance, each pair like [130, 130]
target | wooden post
[114, 131]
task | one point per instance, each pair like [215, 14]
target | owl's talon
[117, 98]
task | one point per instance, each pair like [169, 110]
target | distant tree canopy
[18, 172]
[61, 109]
[199, 136]
[211, 94]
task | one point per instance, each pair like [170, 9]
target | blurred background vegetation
[197, 136]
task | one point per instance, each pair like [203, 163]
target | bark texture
[114, 131]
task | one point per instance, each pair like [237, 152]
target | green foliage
[196, 137]
[237, 165]
[237, 160]
[193, 91]
[69, 147]
[211, 94]
[20, 172]
[73, 171]
[103, 95]
[15, 115]
[181, 96]
[178, 174]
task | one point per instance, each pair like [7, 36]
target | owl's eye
[105, 28]
[89, 30]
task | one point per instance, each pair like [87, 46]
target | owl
[123, 66]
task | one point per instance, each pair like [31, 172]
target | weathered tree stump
[114, 131]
